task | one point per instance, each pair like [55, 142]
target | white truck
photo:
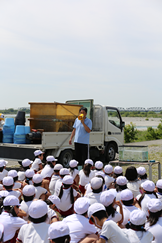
[106, 135]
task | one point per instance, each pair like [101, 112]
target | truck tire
[65, 157]
[110, 152]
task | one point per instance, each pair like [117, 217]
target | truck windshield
[114, 117]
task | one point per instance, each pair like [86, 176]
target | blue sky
[53, 50]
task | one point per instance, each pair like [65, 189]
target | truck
[56, 121]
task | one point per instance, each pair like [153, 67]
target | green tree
[130, 133]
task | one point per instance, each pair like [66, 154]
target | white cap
[58, 167]
[37, 178]
[38, 209]
[29, 173]
[126, 195]
[12, 173]
[107, 197]
[96, 183]
[148, 186]
[11, 201]
[2, 163]
[4, 193]
[108, 169]
[38, 161]
[6, 162]
[81, 205]
[141, 170]
[26, 162]
[8, 181]
[95, 207]
[159, 184]
[121, 180]
[118, 170]
[51, 158]
[73, 163]
[154, 205]
[57, 230]
[37, 152]
[64, 171]
[100, 173]
[138, 217]
[28, 190]
[1, 230]
[21, 175]
[68, 180]
[88, 161]
[98, 165]
[54, 199]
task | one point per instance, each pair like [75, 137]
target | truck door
[114, 126]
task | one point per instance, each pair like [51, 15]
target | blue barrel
[8, 130]
[20, 136]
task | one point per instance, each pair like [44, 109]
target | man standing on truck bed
[81, 131]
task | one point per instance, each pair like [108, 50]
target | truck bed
[50, 140]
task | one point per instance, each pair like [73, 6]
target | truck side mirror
[122, 125]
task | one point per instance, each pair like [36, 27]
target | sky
[107, 50]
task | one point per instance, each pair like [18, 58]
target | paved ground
[147, 143]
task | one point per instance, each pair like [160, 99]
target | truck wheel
[110, 152]
[65, 157]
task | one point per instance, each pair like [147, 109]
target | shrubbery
[131, 134]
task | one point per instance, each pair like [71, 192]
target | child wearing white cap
[55, 177]
[37, 165]
[37, 230]
[136, 232]
[8, 184]
[3, 171]
[40, 192]
[29, 173]
[80, 228]
[142, 175]
[148, 187]
[99, 174]
[48, 170]
[74, 172]
[97, 186]
[107, 198]
[120, 185]
[14, 175]
[118, 171]
[110, 232]
[26, 164]
[59, 233]
[9, 218]
[109, 180]
[159, 189]
[63, 172]
[67, 196]
[86, 174]
[98, 166]
[154, 223]
[127, 200]
[133, 182]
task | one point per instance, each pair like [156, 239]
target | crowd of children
[48, 203]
